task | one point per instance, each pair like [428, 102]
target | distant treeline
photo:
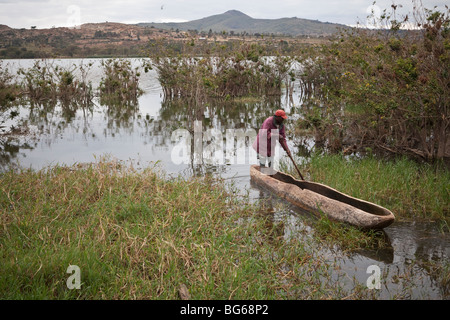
[202, 46]
[72, 51]
[22, 53]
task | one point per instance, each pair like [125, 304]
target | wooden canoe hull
[321, 199]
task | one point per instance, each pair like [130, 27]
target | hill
[90, 39]
[118, 39]
[239, 22]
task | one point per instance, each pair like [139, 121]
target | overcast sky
[68, 13]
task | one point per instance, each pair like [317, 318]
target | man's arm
[283, 141]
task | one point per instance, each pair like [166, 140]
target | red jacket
[266, 132]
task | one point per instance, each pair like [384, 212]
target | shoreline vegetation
[146, 233]
[143, 235]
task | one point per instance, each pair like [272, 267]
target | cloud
[47, 13]
[27, 13]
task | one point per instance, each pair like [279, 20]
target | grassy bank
[143, 236]
[410, 190]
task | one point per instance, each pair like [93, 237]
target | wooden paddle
[295, 166]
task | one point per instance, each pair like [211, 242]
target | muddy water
[406, 265]
[142, 135]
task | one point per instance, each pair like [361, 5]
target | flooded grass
[144, 235]
[222, 74]
[410, 190]
[347, 237]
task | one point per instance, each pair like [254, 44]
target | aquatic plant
[247, 70]
[47, 82]
[9, 92]
[120, 82]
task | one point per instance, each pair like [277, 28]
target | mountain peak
[236, 13]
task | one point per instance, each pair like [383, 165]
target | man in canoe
[264, 145]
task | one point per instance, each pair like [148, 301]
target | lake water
[144, 134]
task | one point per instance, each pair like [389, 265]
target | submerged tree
[120, 82]
[245, 70]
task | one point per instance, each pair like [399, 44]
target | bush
[45, 82]
[8, 89]
[396, 79]
[120, 83]
[9, 92]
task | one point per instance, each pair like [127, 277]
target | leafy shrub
[397, 80]
[120, 83]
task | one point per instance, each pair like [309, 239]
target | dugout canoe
[321, 199]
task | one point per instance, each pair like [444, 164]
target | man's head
[280, 116]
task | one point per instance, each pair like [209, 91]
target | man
[273, 125]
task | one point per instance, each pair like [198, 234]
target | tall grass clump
[120, 82]
[46, 83]
[410, 190]
[385, 89]
[9, 93]
[71, 86]
[39, 82]
[247, 70]
[74, 89]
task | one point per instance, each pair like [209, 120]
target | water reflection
[59, 127]
[407, 258]
[66, 133]
[11, 147]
